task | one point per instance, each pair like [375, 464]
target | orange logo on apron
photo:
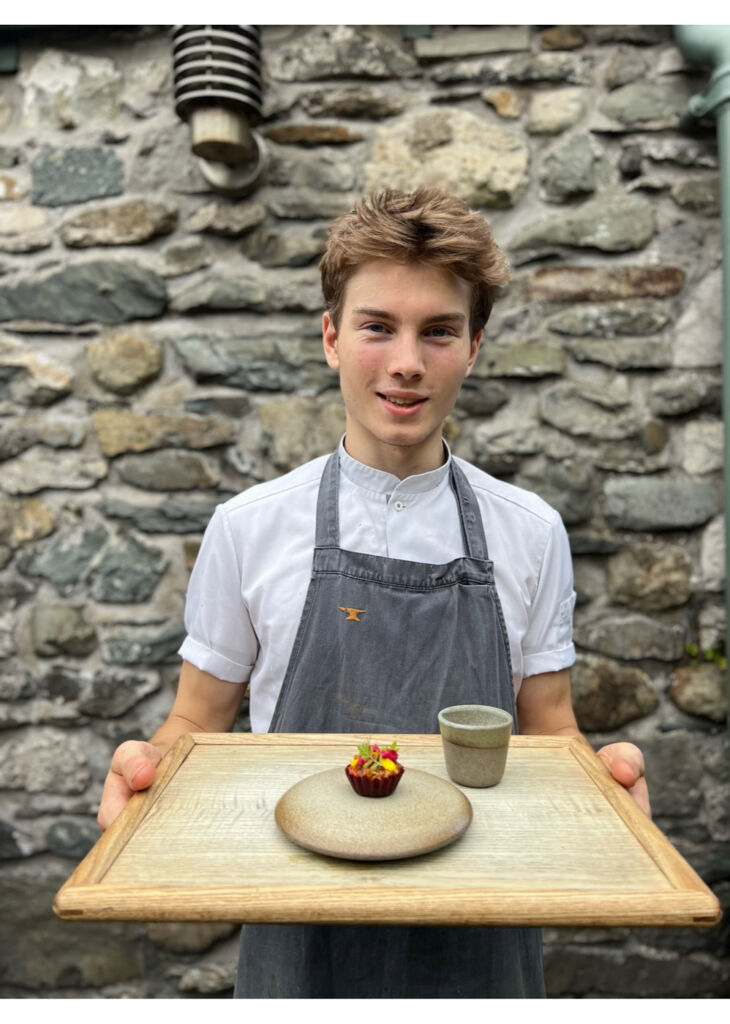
[352, 613]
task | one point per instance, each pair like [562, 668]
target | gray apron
[383, 644]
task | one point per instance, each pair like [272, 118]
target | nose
[405, 357]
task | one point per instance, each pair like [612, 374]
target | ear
[474, 352]
[329, 340]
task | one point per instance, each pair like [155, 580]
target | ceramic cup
[475, 739]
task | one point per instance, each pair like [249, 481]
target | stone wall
[159, 352]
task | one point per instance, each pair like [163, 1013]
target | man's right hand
[203, 703]
[132, 768]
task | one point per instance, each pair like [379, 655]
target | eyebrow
[383, 314]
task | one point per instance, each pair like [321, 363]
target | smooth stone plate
[323, 813]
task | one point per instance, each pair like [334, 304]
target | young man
[463, 586]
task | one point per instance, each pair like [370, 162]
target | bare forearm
[544, 706]
[203, 704]
[553, 730]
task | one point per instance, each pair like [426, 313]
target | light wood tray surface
[557, 842]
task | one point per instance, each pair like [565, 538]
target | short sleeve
[547, 645]
[221, 639]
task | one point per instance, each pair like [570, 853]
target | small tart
[374, 772]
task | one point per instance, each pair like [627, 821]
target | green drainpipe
[709, 45]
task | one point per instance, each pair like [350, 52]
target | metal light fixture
[218, 91]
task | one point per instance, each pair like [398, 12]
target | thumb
[624, 761]
[136, 761]
[132, 768]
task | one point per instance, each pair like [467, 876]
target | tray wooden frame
[364, 892]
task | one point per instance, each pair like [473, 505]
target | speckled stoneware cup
[475, 739]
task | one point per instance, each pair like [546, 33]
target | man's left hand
[625, 762]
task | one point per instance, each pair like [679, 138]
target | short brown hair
[430, 226]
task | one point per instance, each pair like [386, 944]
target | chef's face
[402, 351]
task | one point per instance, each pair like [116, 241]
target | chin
[404, 439]
[397, 434]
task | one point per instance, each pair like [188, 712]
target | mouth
[404, 401]
[401, 404]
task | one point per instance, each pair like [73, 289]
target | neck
[399, 460]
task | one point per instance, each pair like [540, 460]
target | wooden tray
[557, 842]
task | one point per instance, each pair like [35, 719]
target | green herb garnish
[374, 758]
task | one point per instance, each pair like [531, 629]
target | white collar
[380, 482]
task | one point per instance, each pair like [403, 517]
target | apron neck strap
[328, 526]
[472, 528]
[328, 513]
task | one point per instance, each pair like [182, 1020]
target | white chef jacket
[250, 580]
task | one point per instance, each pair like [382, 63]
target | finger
[135, 762]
